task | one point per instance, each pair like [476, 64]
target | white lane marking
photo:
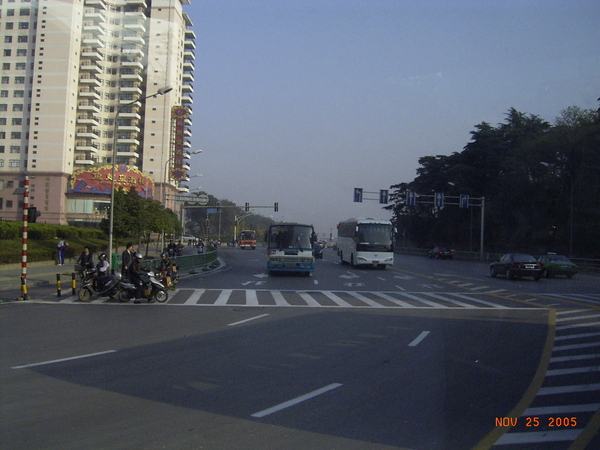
[63, 359]
[296, 400]
[223, 297]
[193, 299]
[561, 409]
[539, 436]
[251, 298]
[419, 338]
[569, 389]
[247, 320]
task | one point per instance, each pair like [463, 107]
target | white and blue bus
[290, 248]
[365, 242]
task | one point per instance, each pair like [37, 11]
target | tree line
[540, 182]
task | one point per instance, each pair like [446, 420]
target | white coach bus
[365, 241]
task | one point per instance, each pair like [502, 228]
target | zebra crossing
[336, 298]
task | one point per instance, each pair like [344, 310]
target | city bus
[366, 242]
[290, 248]
[247, 239]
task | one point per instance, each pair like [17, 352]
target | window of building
[17, 121]
[10, 12]
[9, 25]
[22, 39]
[21, 52]
[13, 163]
[19, 80]
[2, 120]
[2, 134]
[9, 203]
[17, 107]
[15, 135]
[7, 39]
[1, 148]
[20, 66]
[5, 80]
[5, 66]
[24, 12]
[23, 25]
[15, 149]
[19, 94]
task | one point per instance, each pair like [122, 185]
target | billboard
[97, 180]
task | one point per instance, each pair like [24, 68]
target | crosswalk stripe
[193, 299]
[338, 300]
[223, 297]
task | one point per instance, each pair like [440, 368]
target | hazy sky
[300, 101]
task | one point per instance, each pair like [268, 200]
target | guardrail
[585, 265]
[188, 261]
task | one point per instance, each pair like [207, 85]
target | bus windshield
[290, 236]
[374, 237]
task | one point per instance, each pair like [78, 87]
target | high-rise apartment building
[71, 72]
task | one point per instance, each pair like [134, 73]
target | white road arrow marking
[349, 276]
[261, 275]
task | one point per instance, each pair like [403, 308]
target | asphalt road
[427, 355]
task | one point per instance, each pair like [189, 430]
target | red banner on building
[98, 180]
[179, 115]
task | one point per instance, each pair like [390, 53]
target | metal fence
[202, 260]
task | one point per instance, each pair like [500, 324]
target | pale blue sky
[301, 101]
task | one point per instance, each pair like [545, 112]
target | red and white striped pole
[24, 246]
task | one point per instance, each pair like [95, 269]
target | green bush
[10, 230]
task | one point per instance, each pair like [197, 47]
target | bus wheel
[342, 262]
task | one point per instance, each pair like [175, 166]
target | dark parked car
[441, 253]
[557, 265]
[517, 265]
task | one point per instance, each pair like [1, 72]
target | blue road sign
[358, 194]
[464, 201]
[383, 196]
[411, 198]
[439, 199]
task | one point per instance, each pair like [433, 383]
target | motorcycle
[169, 278]
[92, 287]
[152, 289]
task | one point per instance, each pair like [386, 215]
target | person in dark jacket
[85, 261]
[135, 272]
[127, 258]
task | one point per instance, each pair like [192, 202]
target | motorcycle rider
[135, 272]
[102, 271]
[166, 269]
[86, 261]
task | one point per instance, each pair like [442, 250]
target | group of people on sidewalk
[131, 267]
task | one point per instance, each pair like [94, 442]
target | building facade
[72, 72]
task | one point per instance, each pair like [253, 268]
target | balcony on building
[187, 89]
[128, 154]
[187, 144]
[141, 3]
[187, 99]
[131, 89]
[187, 77]
[189, 34]
[130, 127]
[189, 55]
[189, 45]
[101, 4]
[90, 79]
[83, 161]
[188, 66]
[183, 189]
[187, 132]
[88, 133]
[87, 146]
[132, 64]
[134, 25]
[88, 119]
[91, 54]
[131, 74]
[88, 65]
[95, 29]
[88, 106]
[89, 93]
[134, 40]
[127, 140]
[94, 14]
[133, 51]
[185, 166]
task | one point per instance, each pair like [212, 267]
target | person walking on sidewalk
[61, 246]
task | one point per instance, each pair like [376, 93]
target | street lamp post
[111, 219]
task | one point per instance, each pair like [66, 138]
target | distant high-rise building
[72, 71]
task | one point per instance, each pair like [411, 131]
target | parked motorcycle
[151, 290]
[93, 287]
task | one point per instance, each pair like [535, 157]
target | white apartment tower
[72, 71]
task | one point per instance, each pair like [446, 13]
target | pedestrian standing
[127, 260]
[61, 246]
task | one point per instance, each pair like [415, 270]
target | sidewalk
[40, 273]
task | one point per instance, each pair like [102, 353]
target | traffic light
[31, 214]
[247, 207]
[276, 207]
